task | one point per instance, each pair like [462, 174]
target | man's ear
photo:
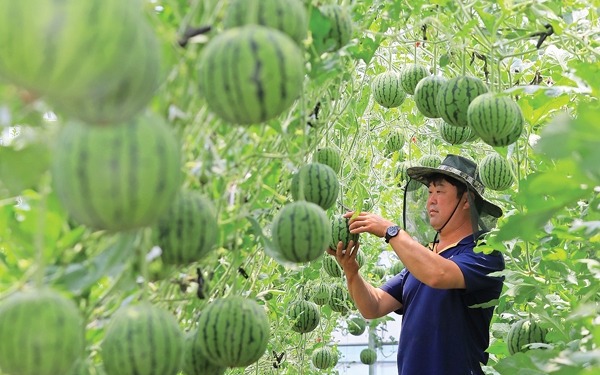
[466, 205]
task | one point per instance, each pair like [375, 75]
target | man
[443, 333]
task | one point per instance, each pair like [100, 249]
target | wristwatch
[391, 232]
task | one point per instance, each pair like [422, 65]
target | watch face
[392, 231]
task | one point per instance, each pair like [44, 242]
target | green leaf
[365, 49]
[22, 169]
[576, 139]
[319, 26]
[111, 261]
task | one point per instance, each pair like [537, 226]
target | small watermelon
[339, 299]
[456, 134]
[411, 75]
[341, 232]
[233, 332]
[368, 356]
[340, 30]
[189, 230]
[425, 95]
[300, 232]
[320, 294]
[304, 316]
[454, 97]
[324, 358]
[142, 339]
[316, 183]
[516, 132]
[42, 333]
[394, 142]
[194, 363]
[117, 177]
[396, 268]
[493, 117]
[328, 156]
[387, 90]
[356, 325]
[523, 333]
[331, 267]
[432, 161]
[495, 172]
[251, 74]
[288, 16]
[379, 272]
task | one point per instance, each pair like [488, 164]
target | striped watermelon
[300, 232]
[125, 98]
[396, 268]
[251, 74]
[495, 172]
[233, 331]
[324, 358]
[194, 363]
[340, 31]
[188, 230]
[304, 315]
[454, 97]
[400, 175]
[117, 177]
[320, 294]
[515, 133]
[340, 232]
[338, 300]
[360, 259]
[456, 134]
[432, 161]
[493, 117]
[288, 16]
[387, 90]
[328, 156]
[356, 325]
[41, 333]
[426, 93]
[316, 183]
[142, 339]
[394, 142]
[522, 333]
[410, 76]
[331, 267]
[69, 47]
[379, 272]
[368, 356]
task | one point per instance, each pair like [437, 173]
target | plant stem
[40, 232]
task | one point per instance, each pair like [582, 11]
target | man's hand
[346, 258]
[369, 223]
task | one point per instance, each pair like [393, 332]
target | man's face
[441, 202]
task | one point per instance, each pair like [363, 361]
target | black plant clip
[485, 63]
[314, 115]
[200, 281]
[192, 32]
[243, 273]
[543, 35]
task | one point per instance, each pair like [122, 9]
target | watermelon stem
[140, 241]
[39, 233]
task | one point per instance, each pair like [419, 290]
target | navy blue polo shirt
[441, 334]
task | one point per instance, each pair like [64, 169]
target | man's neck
[451, 237]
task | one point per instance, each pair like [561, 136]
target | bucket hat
[464, 170]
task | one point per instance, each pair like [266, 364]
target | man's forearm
[366, 297]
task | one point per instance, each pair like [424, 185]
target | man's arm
[429, 268]
[371, 302]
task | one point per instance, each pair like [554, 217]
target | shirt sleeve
[395, 287]
[477, 266]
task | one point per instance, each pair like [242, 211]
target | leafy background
[550, 233]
